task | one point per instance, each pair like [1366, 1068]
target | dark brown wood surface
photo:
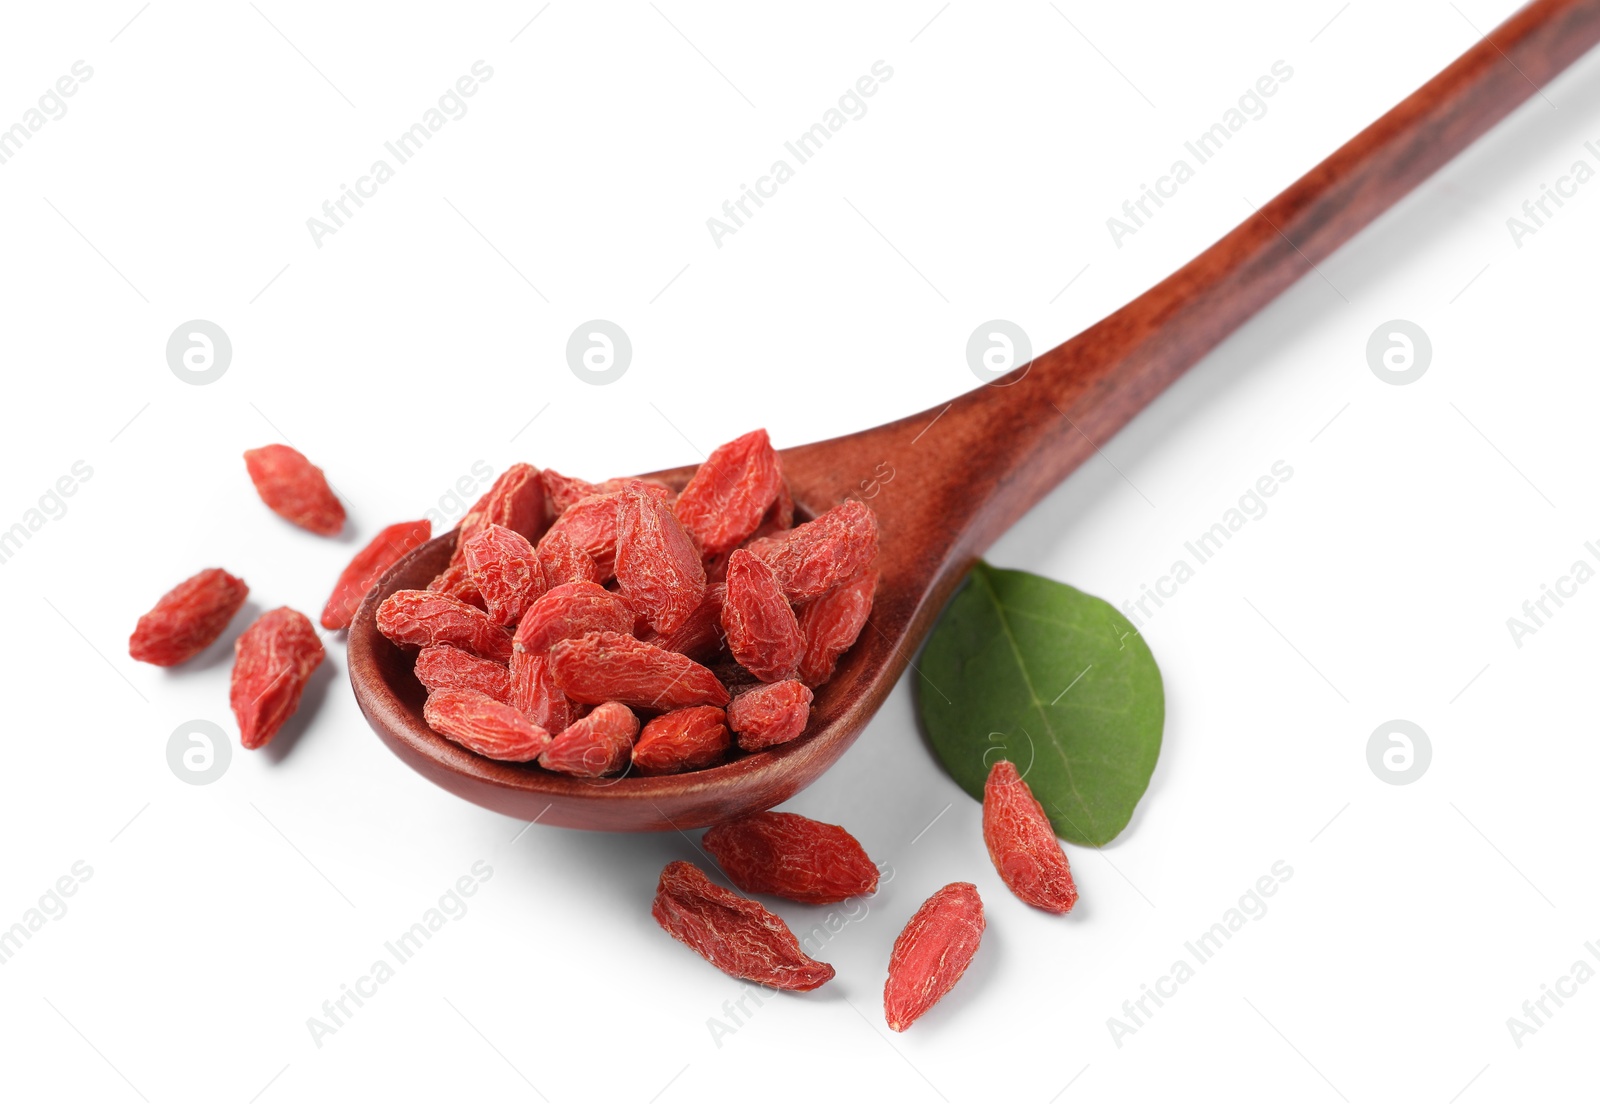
[996, 451]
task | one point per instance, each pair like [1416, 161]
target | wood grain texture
[968, 470]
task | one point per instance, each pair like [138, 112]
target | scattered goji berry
[1022, 843]
[506, 570]
[658, 568]
[737, 935]
[272, 661]
[779, 853]
[689, 738]
[816, 557]
[701, 635]
[391, 544]
[483, 725]
[596, 745]
[763, 633]
[294, 488]
[605, 665]
[729, 493]
[188, 618]
[932, 952]
[770, 714]
[565, 561]
[456, 581]
[830, 625]
[412, 617]
[535, 694]
[570, 611]
[442, 667]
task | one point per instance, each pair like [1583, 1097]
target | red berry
[737, 935]
[779, 853]
[272, 661]
[931, 953]
[188, 618]
[295, 488]
[392, 543]
[1022, 843]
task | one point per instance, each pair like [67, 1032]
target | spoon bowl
[947, 482]
[391, 698]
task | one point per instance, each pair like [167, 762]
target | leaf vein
[1038, 704]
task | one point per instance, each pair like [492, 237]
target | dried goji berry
[770, 714]
[932, 952]
[484, 726]
[647, 485]
[569, 611]
[188, 618]
[562, 491]
[1022, 843]
[272, 661]
[595, 745]
[441, 667]
[535, 694]
[606, 665]
[412, 617]
[729, 493]
[779, 853]
[591, 525]
[506, 570]
[658, 568]
[689, 738]
[391, 544]
[763, 633]
[830, 624]
[816, 557]
[515, 501]
[295, 488]
[456, 581]
[737, 935]
[565, 561]
[701, 634]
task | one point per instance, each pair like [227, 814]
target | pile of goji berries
[603, 628]
[569, 611]
[790, 856]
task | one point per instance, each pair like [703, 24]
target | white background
[425, 335]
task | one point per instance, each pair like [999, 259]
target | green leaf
[1024, 669]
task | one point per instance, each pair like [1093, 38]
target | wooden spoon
[971, 469]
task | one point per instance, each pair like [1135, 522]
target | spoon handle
[1004, 446]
